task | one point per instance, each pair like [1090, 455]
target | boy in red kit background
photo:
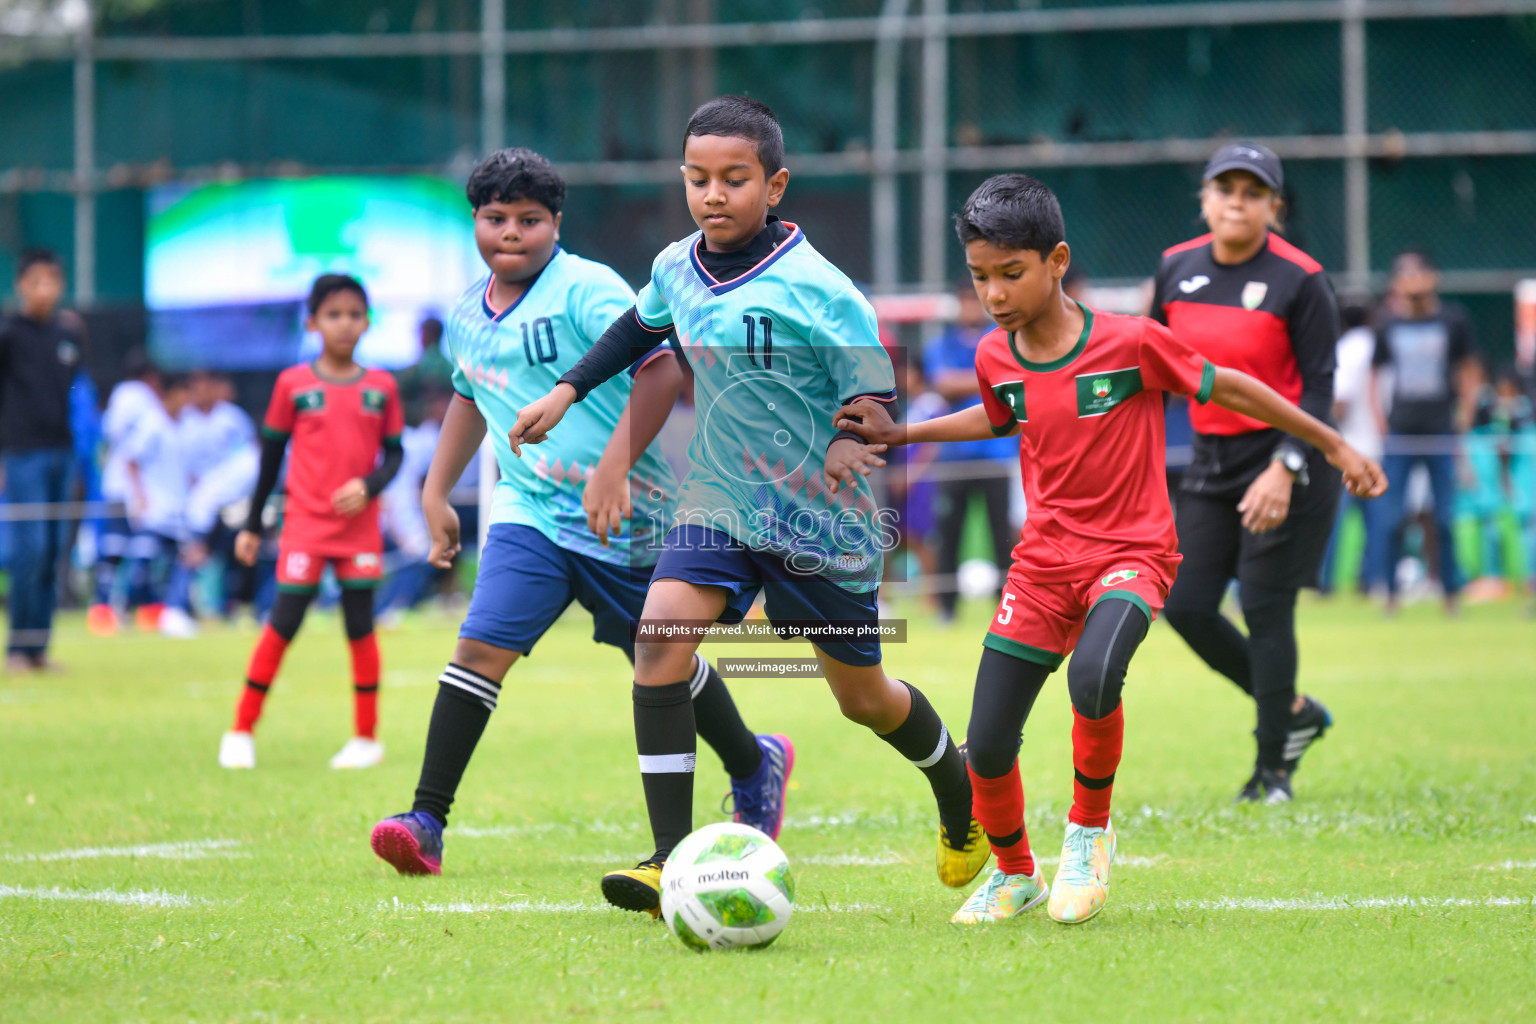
[1098, 551]
[339, 416]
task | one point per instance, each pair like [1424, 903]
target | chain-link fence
[1403, 123]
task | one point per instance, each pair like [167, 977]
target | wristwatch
[1291, 459]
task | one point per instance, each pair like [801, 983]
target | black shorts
[1214, 543]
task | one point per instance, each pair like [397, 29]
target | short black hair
[1012, 211]
[327, 285]
[1417, 255]
[35, 257]
[741, 117]
[516, 173]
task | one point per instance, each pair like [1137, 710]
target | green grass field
[1399, 885]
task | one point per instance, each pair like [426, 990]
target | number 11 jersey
[774, 352]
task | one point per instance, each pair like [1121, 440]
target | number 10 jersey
[504, 360]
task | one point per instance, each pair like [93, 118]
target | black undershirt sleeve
[394, 454]
[893, 406]
[266, 478]
[1314, 330]
[625, 341]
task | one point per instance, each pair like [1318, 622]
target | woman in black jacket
[1255, 504]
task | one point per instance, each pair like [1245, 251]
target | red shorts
[301, 571]
[1041, 621]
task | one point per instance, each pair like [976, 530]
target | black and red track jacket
[1273, 317]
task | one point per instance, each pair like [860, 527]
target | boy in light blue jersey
[577, 524]
[778, 338]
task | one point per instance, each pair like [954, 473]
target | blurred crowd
[128, 502]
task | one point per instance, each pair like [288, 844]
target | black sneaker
[1307, 727]
[1252, 792]
[1276, 787]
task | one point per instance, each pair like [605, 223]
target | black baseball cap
[1259, 161]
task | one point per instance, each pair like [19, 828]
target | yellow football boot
[1082, 878]
[958, 865]
[636, 888]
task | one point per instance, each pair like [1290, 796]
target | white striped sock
[472, 683]
[700, 674]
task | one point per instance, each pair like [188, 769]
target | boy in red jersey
[339, 416]
[1098, 551]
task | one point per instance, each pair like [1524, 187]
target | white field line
[132, 898]
[1513, 865]
[1340, 903]
[537, 828]
[841, 860]
[197, 849]
[552, 907]
[852, 860]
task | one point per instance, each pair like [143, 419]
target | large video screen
[228, 265]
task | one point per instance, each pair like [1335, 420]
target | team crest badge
[1119, 576]
[1101, 387]
[365, 560]
[1253, 294]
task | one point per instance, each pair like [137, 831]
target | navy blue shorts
[697, 554]
[526, 581]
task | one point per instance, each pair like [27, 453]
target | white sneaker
[177, 624]
[237, 750]
[359, 753]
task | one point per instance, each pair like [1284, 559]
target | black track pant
[1263, 663]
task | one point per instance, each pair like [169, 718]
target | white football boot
[237, 750]
[359, 753]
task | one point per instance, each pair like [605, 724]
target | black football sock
[924, 740]
[720, 724]
[668, 745]
[464, 704]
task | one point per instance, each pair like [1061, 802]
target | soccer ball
[727, 885]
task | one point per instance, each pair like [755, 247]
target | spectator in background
[218, 441]
[1428, 345]
[157, 499]
[911, 492]
[949, 363]
[85, 470]
[1355, 413]
[1500, 427]
[407, 541]
[431, 375]
[131, 399]
[39, 360]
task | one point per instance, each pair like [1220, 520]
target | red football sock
[999, 807]
[265, 659]
[365, 685]
[1096, 744]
